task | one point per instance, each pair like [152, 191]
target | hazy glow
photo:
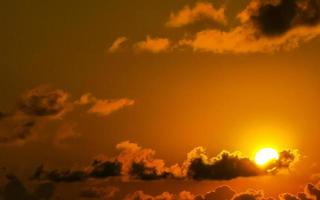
[266, 155]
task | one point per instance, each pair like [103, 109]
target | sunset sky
[159, 100]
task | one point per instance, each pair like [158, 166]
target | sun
[266, 155]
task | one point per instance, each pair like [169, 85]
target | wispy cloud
[117, 44]
[153, 45]
[200, 11]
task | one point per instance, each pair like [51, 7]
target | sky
[150, 100]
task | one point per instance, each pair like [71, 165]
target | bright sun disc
[266, 155]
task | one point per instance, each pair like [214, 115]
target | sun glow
[265, 156]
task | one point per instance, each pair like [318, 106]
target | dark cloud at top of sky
[276, 17]
[137, 163]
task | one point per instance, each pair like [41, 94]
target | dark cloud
[142, 172]
[98, 169]
[14, 189]
[43, 101]
[39, 106]
[137, 163]
[226, 166]
[59, 175]
[275, 18]
[33, 108]
[249, 195]
[14, 131]
[220, 193]
[313, 191]
[287, 196]
[103, 169]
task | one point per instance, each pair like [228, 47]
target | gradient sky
[183, 97]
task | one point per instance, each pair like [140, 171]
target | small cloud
[202, 10]
[103, 107]
[140, 195]
[106, 107]
[44, 102]
[249, 195]
[117, 44]
[153, 45]
[99, 192]
[66, 132]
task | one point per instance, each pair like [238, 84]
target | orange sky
[78, 78]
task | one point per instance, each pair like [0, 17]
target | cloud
[14, 189]
[66, 132]
[39, 106]
[34, 108]
[16, 130]
[288, 196]
[140, 195]
[297, 22]
[249, 195]
[136, 163]
[104, 107]
[59, 175]
[42, 101]
[99, 192]
[117, 44]
[288, 14]
[225, 192]
[153, 45]
[220, 193]
[200, 11]
[223, 167]
[103, 168]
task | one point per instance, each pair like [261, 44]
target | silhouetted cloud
[33, 108]
[15, 130]
[41, 105]
[249, 195]
[274, 18]
[105, 168]
[201, 10]
[14, 189]
[224, 167]
[59, 175]
[220, 193]
[137, 163]
[43, 101]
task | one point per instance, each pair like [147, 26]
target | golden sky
[120, 99]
